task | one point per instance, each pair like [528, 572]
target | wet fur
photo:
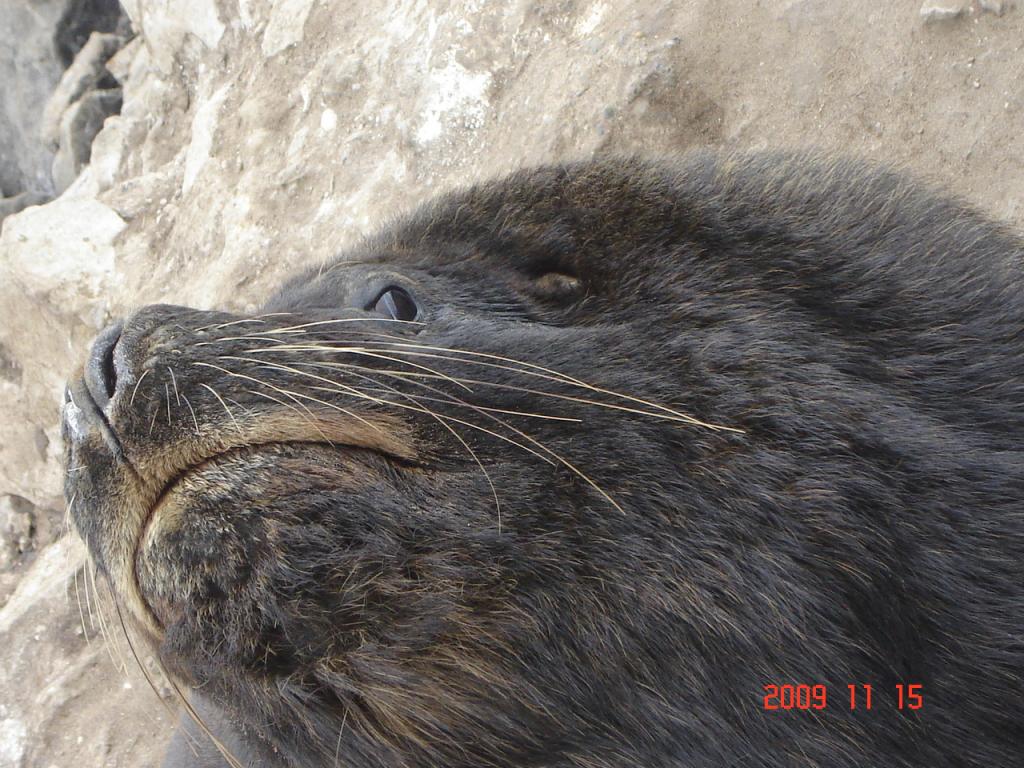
[858, 521]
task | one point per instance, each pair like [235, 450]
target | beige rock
[17, 519]
[11, 205]
[997, 7]
[82, 76]
[78, 127]
[944, 10]
[166, 24]
[286, 25]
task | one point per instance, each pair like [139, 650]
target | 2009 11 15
[806, 697]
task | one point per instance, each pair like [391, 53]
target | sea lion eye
[396, 303]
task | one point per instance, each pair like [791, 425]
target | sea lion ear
[556, 286]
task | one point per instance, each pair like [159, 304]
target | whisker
[455, 434]
[341, 732]
[366, 353]
[335, 321]
[558, 376]
[297, 328]
[293, 395]
[226, 753]
[449, 398]
[193, 412]
[562, 460]
[175, 383]
[347, 412]
[81, 613]
[489, 409]
[225, 405]
[343, 389]
[544, 393]
[135, 391]
[530, 369]
[67, 511]
[565, 462]
[256, 319]
[100, 619]
[308, 418]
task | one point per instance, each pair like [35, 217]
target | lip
[150, 515]
[193, 469]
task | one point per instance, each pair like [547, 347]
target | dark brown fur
[660, 435]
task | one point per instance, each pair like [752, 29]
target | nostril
[100, 372]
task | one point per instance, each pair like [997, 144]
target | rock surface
[87, 72]
[37, 41]
[29, 69]
[943, 10]
[78, 128]
[259, 137]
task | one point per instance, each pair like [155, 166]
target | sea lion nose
[100, 370]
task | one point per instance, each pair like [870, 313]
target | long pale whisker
[559, 376]
[543, 393]
[225, 406]
[100, 619]
[256, 319]
[309, 418]
[193, 412]
[448, 398]
[298, 329]
[226, 753]
[343, 389]
[367, 353]
[81, 613]
[317, 323]
[454, 432]
[293, 395]
[174, 381]
[565, 462]
[528, 369]
[135, 391]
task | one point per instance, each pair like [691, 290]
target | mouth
[187, 481]
[196, 469]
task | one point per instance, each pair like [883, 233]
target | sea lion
[575, 467]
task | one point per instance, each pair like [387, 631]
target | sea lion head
[566, 468]
[423, 491]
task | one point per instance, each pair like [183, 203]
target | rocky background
[196, 151]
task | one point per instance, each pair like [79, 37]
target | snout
[101, 377]
[87, 398]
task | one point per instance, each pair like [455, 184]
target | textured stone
[119, 65]
[78, 127]
[168, 23]
[86, 73]
[17, 520]
[203, 126]
[62, 252]
[944, 10]
[286, 26]
[997, 7]
[81, 19]
[29, 70]
[11, 205]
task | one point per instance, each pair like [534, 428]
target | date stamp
[907, 696]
